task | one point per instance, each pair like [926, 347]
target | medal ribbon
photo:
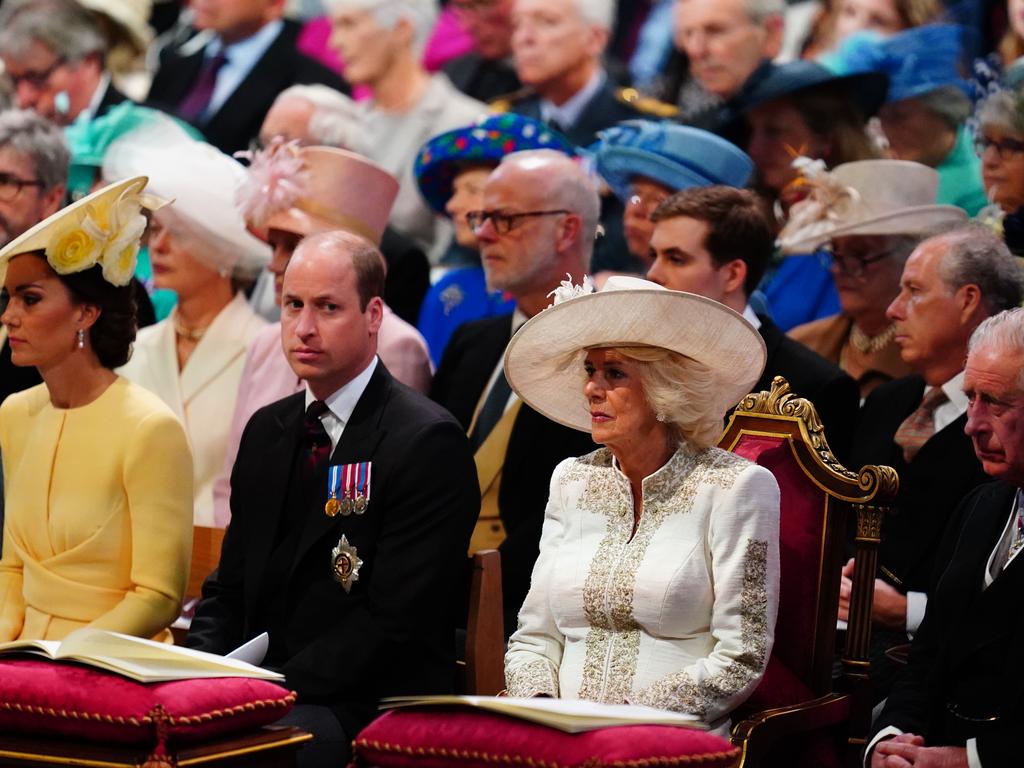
[333, 481]
[363, 480]
[350, 481]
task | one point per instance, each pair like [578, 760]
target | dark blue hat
[484, 143]
[917, 61]
[676, 156]
[867, 89]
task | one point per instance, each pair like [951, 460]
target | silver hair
[1003, 109]
[975, 256]
[335, 119]
[37, 138]
[599, 13]
[69, 30]
[568, 186]
[759, 10]
[421, 14]
[948, 102]
[1005, 332]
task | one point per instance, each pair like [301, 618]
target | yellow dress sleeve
[12, 600]
[158, 484]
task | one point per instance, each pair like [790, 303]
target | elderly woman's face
[467, 195]
[637, 226]
[619, 413]
[174, 267]
[1002, 166]
[778, 132]
[866, 273]
[366, 47]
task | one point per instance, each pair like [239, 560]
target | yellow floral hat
[103, 228]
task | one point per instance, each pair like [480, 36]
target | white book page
[252, 652]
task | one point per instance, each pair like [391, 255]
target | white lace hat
[866, 197]
[542, 366]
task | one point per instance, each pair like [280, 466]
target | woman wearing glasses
[870, 214]
[1000, 145]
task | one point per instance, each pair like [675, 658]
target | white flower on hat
[277, 178]
[120, 254]
[567, 290]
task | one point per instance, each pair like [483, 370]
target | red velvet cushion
[801, 528]
[45, 697]
[431, 738]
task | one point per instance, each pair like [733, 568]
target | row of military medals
[355, 492]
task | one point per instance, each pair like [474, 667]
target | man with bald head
[537, 225]
[344, 546]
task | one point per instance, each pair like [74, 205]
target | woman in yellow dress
[97, 471]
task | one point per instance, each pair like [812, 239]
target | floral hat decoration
[102, 228]
[483, 143]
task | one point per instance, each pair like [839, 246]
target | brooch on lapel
[348, 489]
[345, 563]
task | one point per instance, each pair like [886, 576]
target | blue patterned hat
[676, 156]
[917, 61]
[483, 143]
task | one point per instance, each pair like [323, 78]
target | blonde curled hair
[679, 391]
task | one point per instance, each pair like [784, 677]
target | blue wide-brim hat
[866, 89]
[675, 156]
[486, 142]
[917, 61]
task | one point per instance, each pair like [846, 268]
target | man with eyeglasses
[486, 72]
[536, 229]
[53, 53]
[950, 284]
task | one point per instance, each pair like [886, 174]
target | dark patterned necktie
[918, 428]
[315, 440]
[198, 98]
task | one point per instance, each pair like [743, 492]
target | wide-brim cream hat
[543, 369]
[129, 21]
[867, 197]
[103, 228]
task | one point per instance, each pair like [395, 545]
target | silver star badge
[345, 563]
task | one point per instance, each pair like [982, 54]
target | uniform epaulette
[505, 102]
[646, 104]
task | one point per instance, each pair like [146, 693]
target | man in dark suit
[538, 225]
[485, 73]
[960, 701]
[351, 508]
[915, 424]
[716, 242]
[225, 79]
[54, 55]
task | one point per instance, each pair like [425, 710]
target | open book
[144, 660]
[569, 715]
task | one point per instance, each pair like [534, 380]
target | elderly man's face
[723, 44]
[995, 411]
[551, 40]
[23, 203]
[489, 23]
[235, 20]
[931, 329]
[522, 260]
[55, 89]
[365, 46]
[287, 119]
[327, 338]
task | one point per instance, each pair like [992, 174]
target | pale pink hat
[307, 190]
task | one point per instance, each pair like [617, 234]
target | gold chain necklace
[864, 343]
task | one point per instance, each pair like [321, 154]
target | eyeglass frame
[829, 257]
[476, 219]
[10, 180]
[38, 81]
[983, 142]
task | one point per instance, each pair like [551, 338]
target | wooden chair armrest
[758, 733]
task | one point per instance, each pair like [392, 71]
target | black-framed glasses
[36, 80]
[852, 264]
[504, 223]
[1005, 148]
[11, 186]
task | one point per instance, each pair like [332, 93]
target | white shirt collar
[955, 407]
[751, 317]
[568, 113]
[251, 47]
[342, 403]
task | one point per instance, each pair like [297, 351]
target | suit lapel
[276, 468]
[772, 339]
[163, 376]
[181, 75]
[358, 443]
[255, 93]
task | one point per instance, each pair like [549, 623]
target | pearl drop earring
[81, 339]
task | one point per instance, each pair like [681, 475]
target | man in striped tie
[950, 284]
[959, 703]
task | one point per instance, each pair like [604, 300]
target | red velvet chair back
[783, 433]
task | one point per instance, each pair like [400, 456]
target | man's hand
[904, 752]
[888, 609]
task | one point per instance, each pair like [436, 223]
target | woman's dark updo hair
[111, 336]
